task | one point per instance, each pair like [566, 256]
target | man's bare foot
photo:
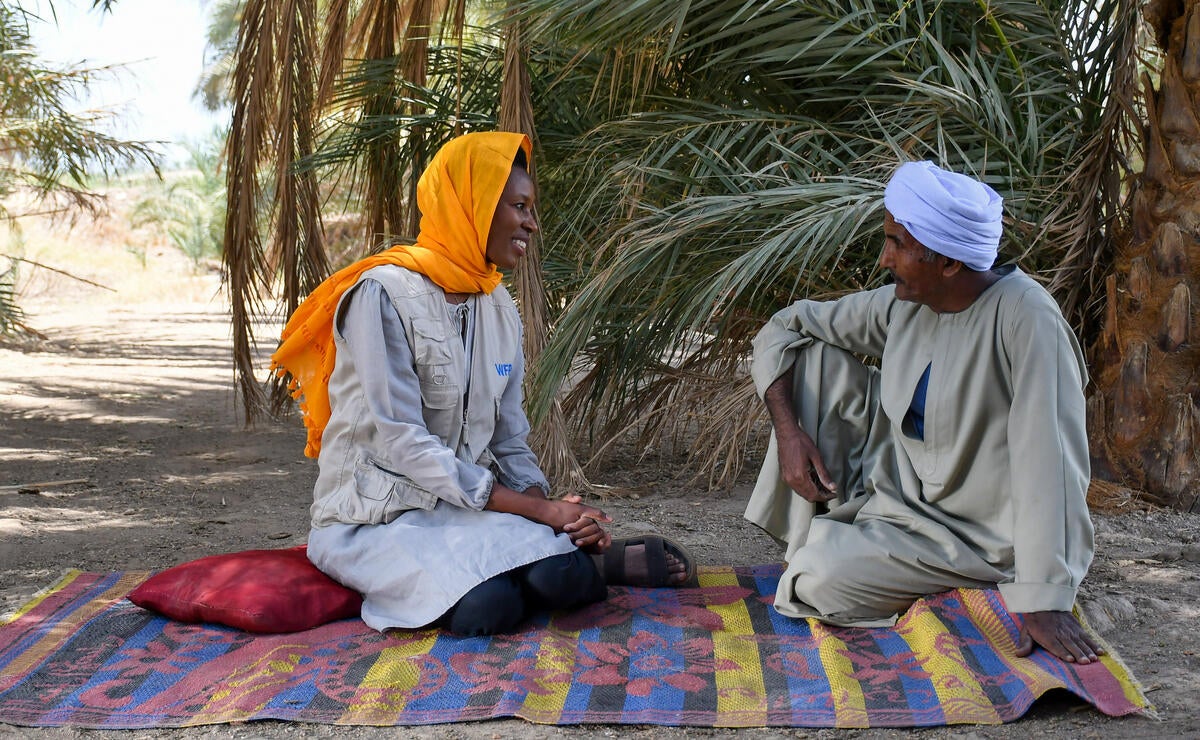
[678, 570]
[647, 560]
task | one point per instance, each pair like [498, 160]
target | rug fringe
[1148, 709]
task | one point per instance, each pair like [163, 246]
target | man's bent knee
[833, 589]
[492, 607]
[564, 581]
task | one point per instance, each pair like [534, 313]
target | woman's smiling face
[513, 224]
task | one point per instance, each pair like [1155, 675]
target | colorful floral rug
[81, 655]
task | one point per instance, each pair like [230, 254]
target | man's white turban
[952, 214]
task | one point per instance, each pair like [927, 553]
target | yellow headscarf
[457, 196]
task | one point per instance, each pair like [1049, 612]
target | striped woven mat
[81, 655]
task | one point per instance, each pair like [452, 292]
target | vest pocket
[440, 409]
[429, 342]
[437, 395]
[384, 495]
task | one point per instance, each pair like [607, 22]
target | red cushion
[255, 590]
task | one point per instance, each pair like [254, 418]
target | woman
[429, 501]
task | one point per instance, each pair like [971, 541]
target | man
[961, 461]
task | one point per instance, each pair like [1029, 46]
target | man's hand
[569, 515]
[802, 468]
[1060, 633]
[800, 463]
[586, 532]
[558, 514]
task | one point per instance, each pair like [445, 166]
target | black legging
[500, 603]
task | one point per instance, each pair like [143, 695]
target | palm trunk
[1144, 420]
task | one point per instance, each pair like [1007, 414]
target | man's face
[917, 279]
[513, 224]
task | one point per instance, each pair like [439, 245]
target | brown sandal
[651, 571]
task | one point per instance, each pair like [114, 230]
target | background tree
[189, 205]
[48, 152]
[703, 162]
[1145, 424]
[714, 160]
[216, 79]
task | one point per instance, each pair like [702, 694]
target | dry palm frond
[413, 67]
[550, 435]
[381, 23]
[725, 422]
[254, 85]
[396, 33]
[296, 249]
[1114, 498]
[516, 103]
[376, 29]
[273, 115]
[698, 401]
[717, 419]
[455, 18]
[1090, 192]
[337, 22]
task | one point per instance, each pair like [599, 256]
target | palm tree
[216, 80]
[1145, 424]
[703, 162]
[396, 81]
[191, 207]
[47, 149]
[722, 158]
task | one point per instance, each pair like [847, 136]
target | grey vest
[360, 480]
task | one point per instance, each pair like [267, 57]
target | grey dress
[412, 569]
[994, 492]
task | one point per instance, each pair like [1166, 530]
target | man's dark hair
[520, 161]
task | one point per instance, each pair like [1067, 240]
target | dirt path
[138, 402]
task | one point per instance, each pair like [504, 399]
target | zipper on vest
[463, 308]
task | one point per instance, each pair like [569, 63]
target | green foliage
[708, 161]
[49, 151]
[11, 316]
[405, 134]
[189, 206]
[702, 163]
[221, 37]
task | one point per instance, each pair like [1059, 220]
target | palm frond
[296, 250]
[704, 162]
[408, 128]
[551, 438]
[48, 151]
[750, 173]
[333, 48]
[12, 318]
[246, 266]
[216, 78]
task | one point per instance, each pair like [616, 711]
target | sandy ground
[136, 402]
